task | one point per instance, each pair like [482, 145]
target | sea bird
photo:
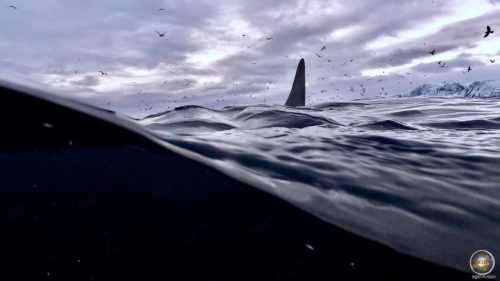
[160, 34]
[103, 73]
[432, 52]
[469, 69]
[323, 48]
[488, 31]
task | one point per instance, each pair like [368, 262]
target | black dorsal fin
[297, 95]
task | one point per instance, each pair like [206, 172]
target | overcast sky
[217, 53]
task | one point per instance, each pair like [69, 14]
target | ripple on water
[420, 175]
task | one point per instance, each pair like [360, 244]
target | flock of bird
[469, 68]
[319, 54]
[441, 64]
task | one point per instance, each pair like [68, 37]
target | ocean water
[421, 175]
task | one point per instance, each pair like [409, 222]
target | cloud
[205, 56]
[86, 81]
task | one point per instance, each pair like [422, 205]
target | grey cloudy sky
[204, 59]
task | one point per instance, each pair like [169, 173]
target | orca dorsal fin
[297, 96]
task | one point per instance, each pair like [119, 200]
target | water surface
[420, 175]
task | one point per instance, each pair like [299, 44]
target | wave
[387, 125]
[404, 172]
[467, 125]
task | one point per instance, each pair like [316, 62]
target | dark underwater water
[420, 175]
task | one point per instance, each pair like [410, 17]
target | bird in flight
[243, 35]
[319, 56]
[103, 73]
[493, 61]
[323, 48]
[269, 38]
[443, 65]
[469, 69]
[488, 31]
[160, 34]
[432, 52]
[13, 7]
[161, 10]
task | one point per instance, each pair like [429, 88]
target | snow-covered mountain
[483, 89]
[450, 89]
[478, 89]
[424, 90]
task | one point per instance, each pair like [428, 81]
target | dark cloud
[451, 65]
[452, 37]
[46, 42]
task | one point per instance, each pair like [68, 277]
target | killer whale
[297, 96]
[87, 195]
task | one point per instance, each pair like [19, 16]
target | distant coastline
[478, 89]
